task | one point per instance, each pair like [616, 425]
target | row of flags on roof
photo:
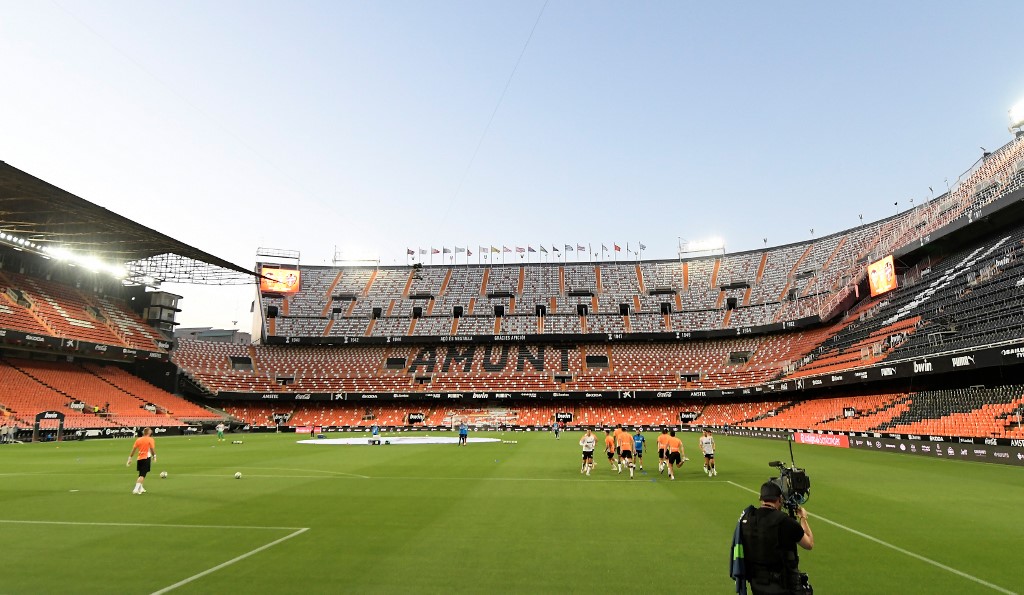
[542, 251]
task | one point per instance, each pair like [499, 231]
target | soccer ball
[163, 475]
[238, 475]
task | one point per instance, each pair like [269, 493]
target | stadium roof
[39, 212]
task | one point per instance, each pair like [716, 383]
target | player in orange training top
[146, 447]
[674, 450]
[626, 452]
[662, 451]
[609, 447]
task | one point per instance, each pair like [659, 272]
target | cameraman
[769, 537]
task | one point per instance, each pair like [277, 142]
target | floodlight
[90, 263]
[1017, 115]
[57, 252]
[706, 245]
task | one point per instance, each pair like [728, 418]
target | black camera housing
[794, 484]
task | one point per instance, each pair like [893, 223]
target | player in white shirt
[589, 443]
[707, 446]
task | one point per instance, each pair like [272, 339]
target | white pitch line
[639, 478]
[151, 525]
[230, 562]
[624, 479]
[342, 473]
[899, 549]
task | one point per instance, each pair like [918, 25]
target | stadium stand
[25, 396]
[968, 299]
[959, 296]
[45, 307]
[141, 390]
[780, 283]
[15, 312]
[630, 366]
[91, 396]
[963, 412]
[129, 327]
[66, 311]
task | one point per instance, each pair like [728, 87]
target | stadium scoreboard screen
[280, 280]
[881, 276]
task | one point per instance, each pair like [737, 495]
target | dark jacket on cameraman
[770, 538]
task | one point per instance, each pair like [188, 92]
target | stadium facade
[908, 326]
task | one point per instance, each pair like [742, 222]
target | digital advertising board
[882, 276]
[279, 280]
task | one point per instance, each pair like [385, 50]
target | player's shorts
[661, 453]
[588, 454]
[639, 453]
[627, 454]
[709, 455]
[611, 455]
[675, 458]
[618, 451]
[143, 465]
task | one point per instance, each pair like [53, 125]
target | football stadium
[415, 427]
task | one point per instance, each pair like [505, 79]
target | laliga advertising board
[838, 441]
[987, 450]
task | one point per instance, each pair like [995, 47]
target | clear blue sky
[310, 125]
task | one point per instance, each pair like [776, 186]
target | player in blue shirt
[638, 448]
[463, 434]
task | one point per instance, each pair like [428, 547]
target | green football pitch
[486, 518]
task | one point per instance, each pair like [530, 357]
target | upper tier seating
[39, 306]
[970, 298]
[66, 311]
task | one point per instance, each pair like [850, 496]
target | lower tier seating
[975, 412]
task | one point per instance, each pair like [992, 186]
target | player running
[707, 446]
[662, 452]
[638, 448]
[588, 442]
[146, 447]
[618, 450]
[674, 450]
[609, 447]
[625, 444]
